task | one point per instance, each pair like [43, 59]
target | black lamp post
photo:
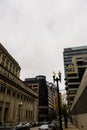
[58, 78]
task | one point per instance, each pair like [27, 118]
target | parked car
[33, 124]
[52, 126]
[37, 123]
[44, 127]
[22, 126]
[40, 123]
[29, 124]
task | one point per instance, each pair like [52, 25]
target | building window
[24, 98]
[3, 58]
[9, 91]
[2, 88]
[7, 62]
[17, 95]
[26, 114]
[14, 93]
[21, 96]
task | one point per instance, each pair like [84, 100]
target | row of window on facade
[17, 113]
[13, 78]
[14, 93]
[72, 92]
[74, 52]
[8, 64]
[8, 75]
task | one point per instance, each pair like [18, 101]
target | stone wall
[80, 121]
[79, 106]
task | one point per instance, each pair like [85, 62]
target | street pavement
[34, 128]
[71, 127]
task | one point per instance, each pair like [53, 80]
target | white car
[44, 127]
[19, 125]
[22, 126]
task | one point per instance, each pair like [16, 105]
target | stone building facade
[18, 102]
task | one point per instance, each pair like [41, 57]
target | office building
[51, 100]
[46, 97]
[39, 84]
[75, 63]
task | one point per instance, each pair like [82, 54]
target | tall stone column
[10, 108]
[35, 110]
[3, 107]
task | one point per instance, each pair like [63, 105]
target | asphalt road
[34, 128]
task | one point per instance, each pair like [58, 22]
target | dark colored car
[52, 126]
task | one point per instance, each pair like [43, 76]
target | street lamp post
[59, 105]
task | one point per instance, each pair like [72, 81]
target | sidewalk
[70, 127]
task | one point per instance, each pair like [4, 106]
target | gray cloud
[35, 32]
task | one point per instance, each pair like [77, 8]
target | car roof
[44, 126]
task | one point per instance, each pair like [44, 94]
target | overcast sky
[35, 32]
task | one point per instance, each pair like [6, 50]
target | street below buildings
[34, 128]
